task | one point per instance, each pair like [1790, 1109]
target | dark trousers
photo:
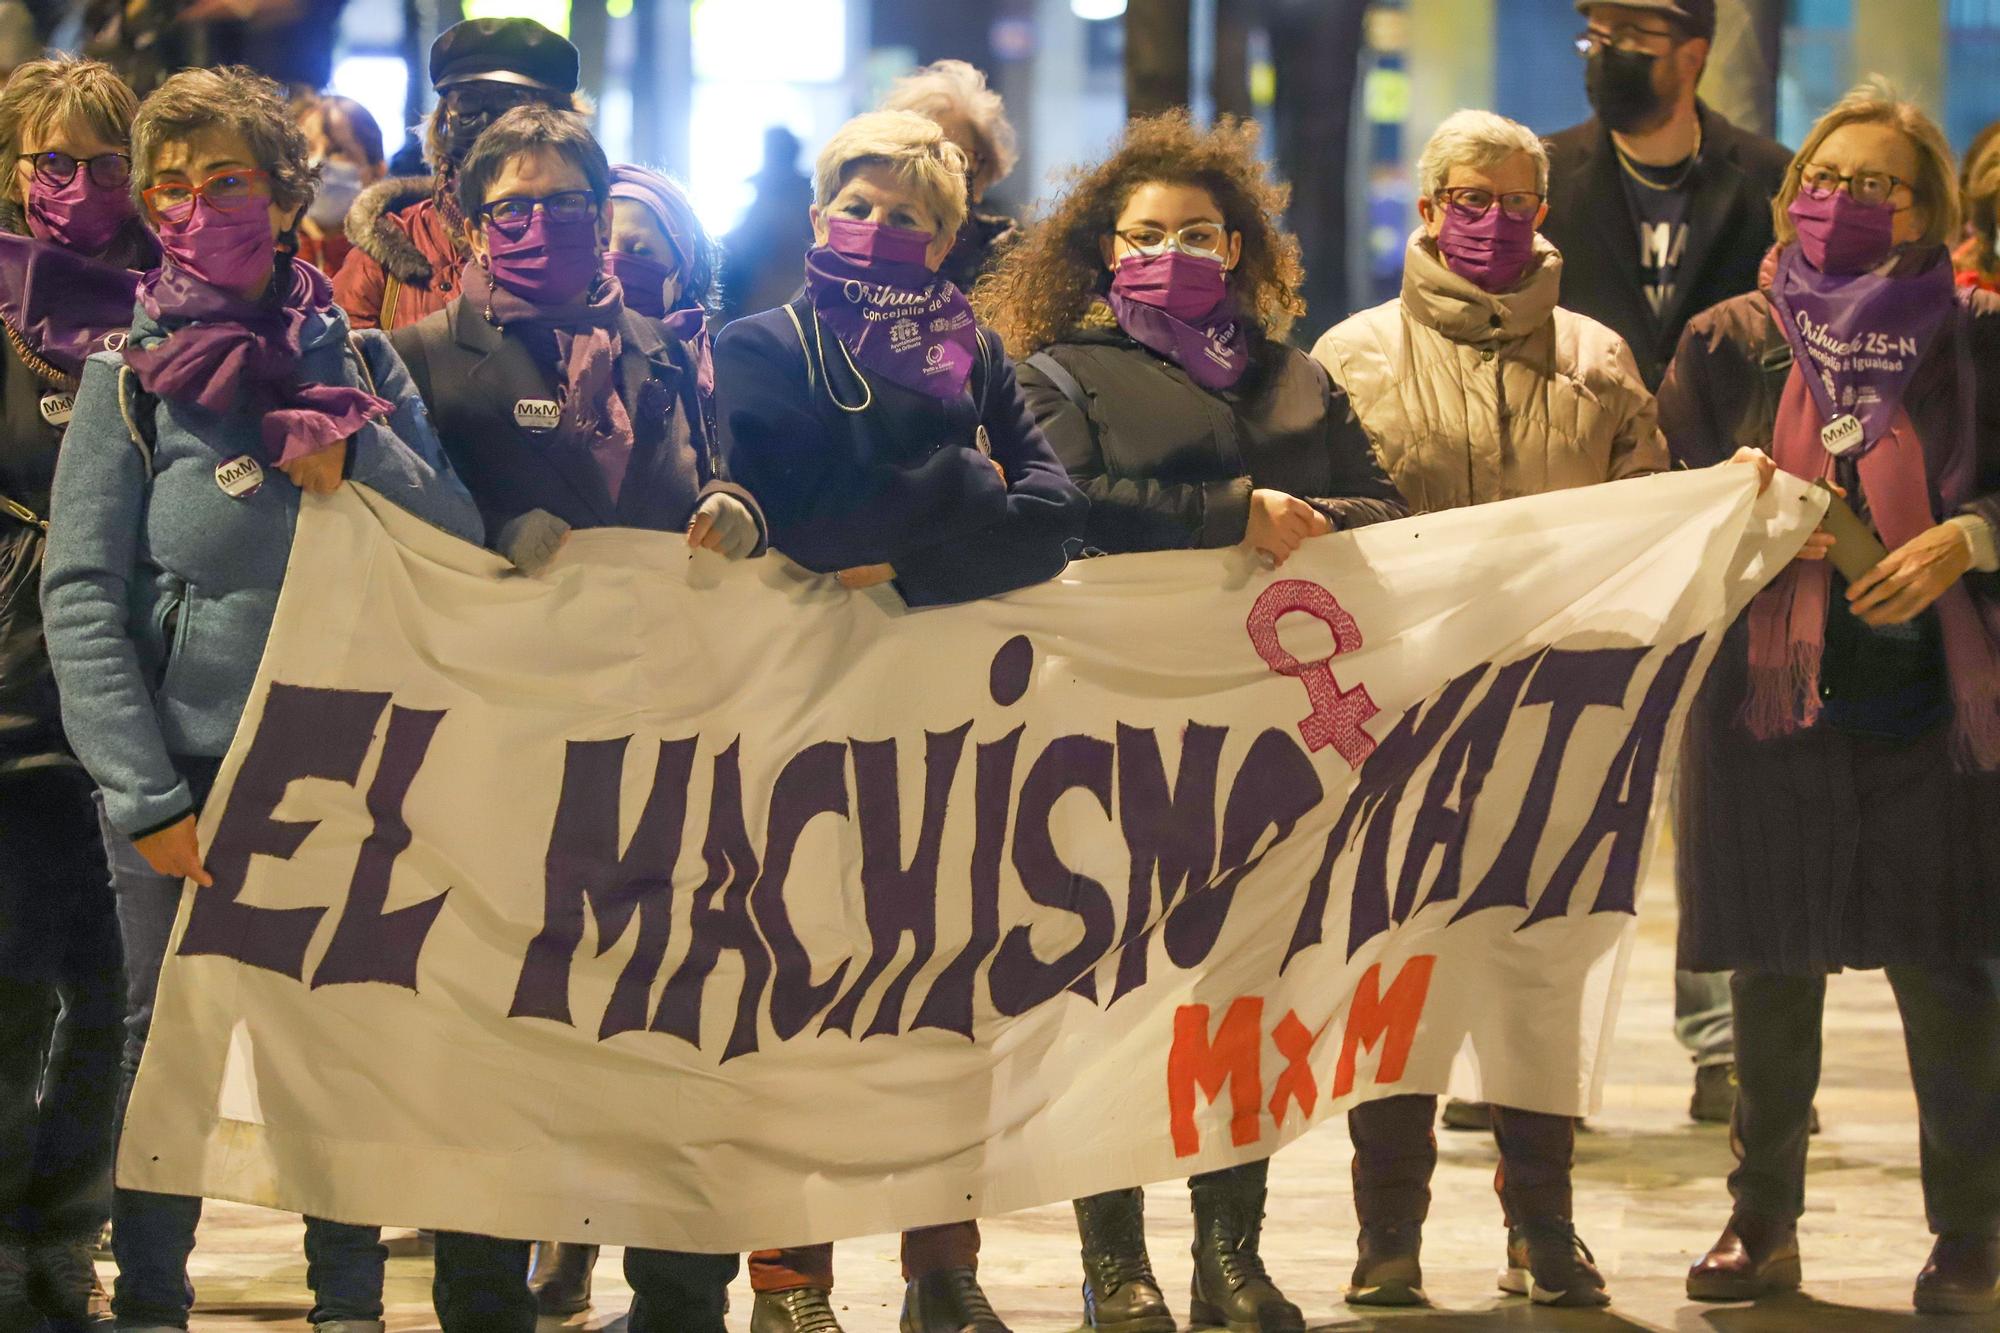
[926, 1250]
[1395, 1154]
[480, 1285]
[1951, 1028]
[62, 1002]
[153, 1234]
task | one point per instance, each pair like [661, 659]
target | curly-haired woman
[1149, 307]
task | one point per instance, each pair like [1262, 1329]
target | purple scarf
[1860, 336]
[229, 355]
[1214, 351]
[894, 316]
[62, 304]
[594, 417]
[1788, 618]
[689, 324]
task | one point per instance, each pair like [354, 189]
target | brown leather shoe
[1962, 1277]
[1753, 1258]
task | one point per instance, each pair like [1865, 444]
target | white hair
[1478, 139]
[952, 86]
[929, 165]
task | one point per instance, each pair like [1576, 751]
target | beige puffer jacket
[1470, 396]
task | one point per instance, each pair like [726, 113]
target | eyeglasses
[1625, 39]
[1866, 187]
[513, 214]
[1517, 204]
[109, 171]
[488, 100]
[1204, 240]
[226, 192]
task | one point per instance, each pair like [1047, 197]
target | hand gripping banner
[710, 906]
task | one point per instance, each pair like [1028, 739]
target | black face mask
[1620, 87]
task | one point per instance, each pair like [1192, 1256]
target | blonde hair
[931, 166]
[953, 86]
[1478, 139]
[1875, 102]
[59, 92]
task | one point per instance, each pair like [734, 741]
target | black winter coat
[900, 482]
[1168, 464]
[1729, 230]
[1827, 849]
[472, 374]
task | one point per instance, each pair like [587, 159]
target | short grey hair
[954, 86]
[1478, 139]
[931, 166]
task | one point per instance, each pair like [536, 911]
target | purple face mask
[867, 243]
[1188, 287]
[228, 249]
[549, 263]
[1840, 235]
[644, 281]
[82, 216]
[1490, 250]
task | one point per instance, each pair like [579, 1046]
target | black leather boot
[560, 1277]
[949, 1301]
[1389, 1269]
[1231, 1288]
[799, 1310]
[1120, 1293]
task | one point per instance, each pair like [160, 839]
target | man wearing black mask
[1660, 206]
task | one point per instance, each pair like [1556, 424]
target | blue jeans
[153, 1234]
[1704, 1016]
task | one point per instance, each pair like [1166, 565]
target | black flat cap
[1695, 17]
[518, 51]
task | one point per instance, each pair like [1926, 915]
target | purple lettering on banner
[584, 864]
[948, 1006]
[368, 943]
[306, 732]
[1311, 924]
[1012, 668]
[1274, 789]
[897, 899]
[1019, 980]
[1370, 814]
[1624, 804]
[812, 783]
[1170, 835]
[720, 919]
[1569, 682]
[1337, 714]
[1463, 763]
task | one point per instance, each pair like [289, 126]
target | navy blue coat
[902, 482]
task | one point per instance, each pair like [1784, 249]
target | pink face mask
[549, 263]
[644, 280]
[861, 242]
[1840, 235]
[233, 249]
[82, 216]
[1491, 251]
[1189, 287]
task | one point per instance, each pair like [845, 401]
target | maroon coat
[1825, 850]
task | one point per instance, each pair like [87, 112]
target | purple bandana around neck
[62, 304]
[231, 356]
[1214, 351]
[895, 317]
[1858, 338]
[588, 345]
[689, 324]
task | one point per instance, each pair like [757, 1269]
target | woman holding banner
[71, 241]
[1476, 386]
[1838, 804]
[563, 408]
[238, 390]
[881, 428]
[1151, 308]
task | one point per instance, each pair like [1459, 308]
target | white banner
[700, 905]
